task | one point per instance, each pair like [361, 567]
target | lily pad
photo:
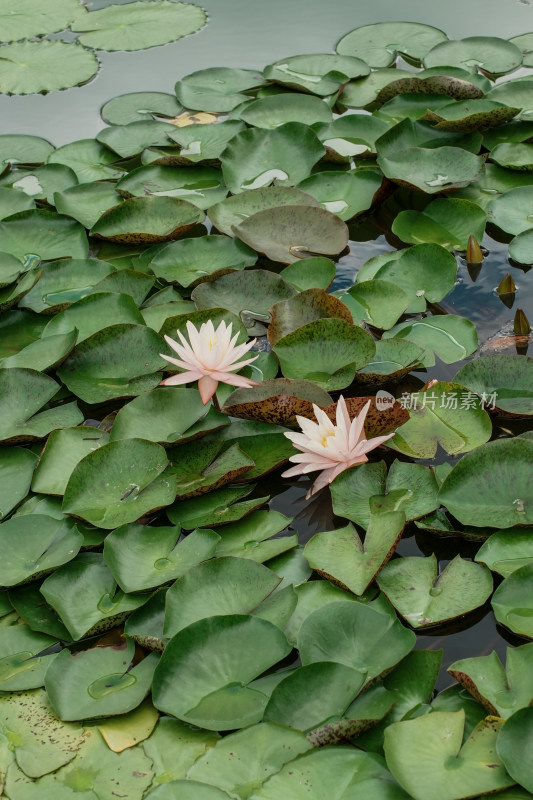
[513, 745]
[201, 187]
[174, 747]
[521, 247]
[310, 273]
[363, 92]
[511, 211]
[216, 508]
[447, 222]
[504, 378]
[452, 81]
[249, 538]
[191, 260]
[217, 89]
[141, 557]
[490, 485]
[92, 313]
[419, 750]
[63, 282]
[271, 112]
[145, 220]
[198, 467]
[138, 26]
[44, 233]
[203, 144]
[33, 609]
[346, 194]
[20, 666]
[449, 337]
[214, 694]
[42, 66]
[501, 691]
[326, 352]
[392, 359]
[431, 170]
[86, 597]
[471, 115]
[379, 302]
[513, 156]
[118, 483]
[131, 139]
[16, 471]
[13, 201]
[27, 19]
[89, 160]
[512, 604]
[87, 202]
[264, 443]
[320, 74]
[507, 550]
[278, 400]
[137, 106]
[341, 557]
[308, 305]
[233, 210]
[16, 148]
[129, 729]
[379, 44]
[425, 598]
[257, 158]
[490, 54]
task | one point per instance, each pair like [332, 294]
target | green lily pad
[44, 233]
[278, 400]
[524, 42]
[89, 160]
[20, 666]
[448, 222]
[392, 359]
[203, 144]
[355, 635]
[131, 139]
[350, 135]
[162, 415]
[445, 415]
[431, 170]
[118, 361]
[490, 54]
[174, 747]
[320, 74]
[129, 729]
[353, 490]
[341, 557]
[504, 378]
[249, 538]
[256, 158]
[326, 352]
[507, 550]
[10, 269]
[242, 761]
[218, 89]
[490, 485]
[16, 470]
[138, 26]
[471, 115]
[419, 750]
[137, 106]
[214, 692]
[409, 105]
[41, 743]
[28, 19]
[511, 211]
[346, 194]
[87, 202]
[517, 93]
[141, 557]
[288, 234]
[308, 305]
[234, 209]
[221, 586]
[200, 187]
[40, 183]
[422, 134]
[502, 691]
[513, 745]
[363, 92]
[16, 148]
[33, 609]
[86, 597]
[13, 201]
[33, 544]
[98, 682]
[216, 508]
[23, 392]
[63, 450]
[271, 112]
[512, 604]
[42, 66]
[449, 337]
[43, 354]
[513, 156]
[310, 273]
[198, 467]
[92, 313]
[63, 282]
[379, 44]
[333, 772]
[191, 260]
[425, 598]
[145, 220]
[14, 293]
[521, 247]
[263, 442]
[379, 302]
[118, 483]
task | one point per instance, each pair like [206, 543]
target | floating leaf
[42, 66]
[363, 92]
[136, 106]
[87, 202]
[90, 314]
[17, 148]
[449, 337]
[256, 158]
[490, 54]
[138, 26]
[198, 467]
[141, 557]
[129, 729]
[215, 508]
[218, 89]
[392, 359]
[271, 112]
[144, 220]
[20, 666]
[431, 170]
[320, 74]
[513, 746]
[249, 538]
[43, 233]
[510, 211]
[214, 692]
[27, 19]
[425, 598]
[234, 209]
[89, 160]
[512, 603]
[379, 44]
[308, 305]
[502, 379]
[490, 485]
[507, 550]
[448, 222]
[16, 470]
[277, 401]
[174, 747]
[202, 144]
[191, 260]
[346, 194]
[33, 609]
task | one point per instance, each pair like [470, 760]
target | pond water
[251, 34]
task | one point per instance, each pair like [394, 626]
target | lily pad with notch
[234, 209]
[449, 337]
[513, 745]
[87, 202]
[86, 597]
[364, 91]
[201, 186]
[256, 158]
[99, 682]
[448, 222]
[92, 313]
[506, 378]
[89, 160]
[201, 466]
[118, 483]
[217, 89]
[214, 660]
[308, 305]
[502, 691]
[511, 210]
[264, 443]
[350, 135]
[346, 194]
[16, 470]
[380, 43]
[203, 144]
[271, 112]
[63, 282]
[43, 233]
[507, 550]
[40, 183]
[317, 73]
[256, 537]
[393, 359]
[490, 54]
[21, 666]
[147, 220]
[431, 170]
[29, 67]
[131, 139]
[378, 302]
[19, 148]
[216, 508]
[63, 450]
[35, 612]
[44, 354]
[143, 557]
[512, 602]
[190, 261]
[137, 106]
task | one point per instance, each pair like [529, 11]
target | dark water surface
[251, 34]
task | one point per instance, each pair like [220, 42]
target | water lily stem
[215, 402]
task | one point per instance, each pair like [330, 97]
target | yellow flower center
[324, 441]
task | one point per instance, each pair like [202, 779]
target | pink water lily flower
[330, 448]
[211, 357]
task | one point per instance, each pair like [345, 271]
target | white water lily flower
[331, 448]
[211, 357]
